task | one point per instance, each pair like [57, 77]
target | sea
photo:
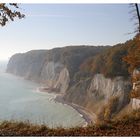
[20, 100]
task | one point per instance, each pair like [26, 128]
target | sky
[48, 26]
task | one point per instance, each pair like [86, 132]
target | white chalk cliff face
[99, 90]
[50, 73]
[136, 89]
[135, 103]
[63, 81]
[55, 76]
[106, 87]
[102, 88]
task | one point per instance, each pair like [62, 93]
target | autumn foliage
[129, 125]
[133, 57]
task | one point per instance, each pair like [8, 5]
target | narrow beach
[89, 117]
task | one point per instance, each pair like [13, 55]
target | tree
[138, 16]
[135, 17]
[133, 57]
[8, 12]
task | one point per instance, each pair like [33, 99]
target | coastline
[86, 115]
[89, 117]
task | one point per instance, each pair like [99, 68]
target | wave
[51, 96]
[81, 115]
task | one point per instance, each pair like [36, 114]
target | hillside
[101, 78]
[45, 66]
[90, 76]
[129, 125]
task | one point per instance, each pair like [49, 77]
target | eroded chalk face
[136, 72]
[50, 72]
[63, 81]
[136, 80]
[56, 76]
[136, 89]
[135, 103]
[107, 87]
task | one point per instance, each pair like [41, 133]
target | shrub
[106, 112]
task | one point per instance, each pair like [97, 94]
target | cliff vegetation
[128, 125]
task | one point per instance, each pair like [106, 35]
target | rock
[53, 68]
[97, 91]
[57, 68]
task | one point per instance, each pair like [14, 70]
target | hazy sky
[56, 25]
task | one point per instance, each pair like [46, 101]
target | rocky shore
[90, 118]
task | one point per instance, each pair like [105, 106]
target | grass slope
[129, 125]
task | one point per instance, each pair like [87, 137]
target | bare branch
[9, 13]
[135, 16]
[138, 15]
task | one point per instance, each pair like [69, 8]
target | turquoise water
[19, 100]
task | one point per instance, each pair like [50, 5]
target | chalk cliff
[96, 92]
[86, 75]
[53, 68]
